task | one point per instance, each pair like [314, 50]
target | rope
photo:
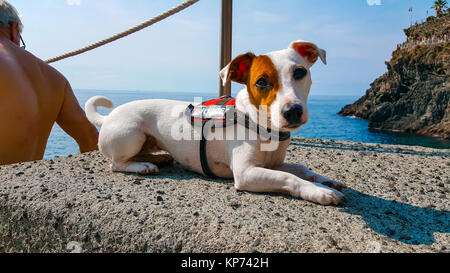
[137, 28]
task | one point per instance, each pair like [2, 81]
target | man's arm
[74, 122]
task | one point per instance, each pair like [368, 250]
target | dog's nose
[293, 113]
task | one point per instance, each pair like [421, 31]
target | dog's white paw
[322, 195]
[143, 168]
[135, 167]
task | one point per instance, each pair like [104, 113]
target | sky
[181, 54]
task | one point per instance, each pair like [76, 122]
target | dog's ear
[238, 70]
[309, 51]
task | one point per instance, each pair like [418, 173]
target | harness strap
[224, 101]
[203, 158]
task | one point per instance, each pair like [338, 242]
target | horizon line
[195, 92]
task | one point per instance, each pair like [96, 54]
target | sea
[324, 123]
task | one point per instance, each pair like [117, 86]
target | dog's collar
[265, 133]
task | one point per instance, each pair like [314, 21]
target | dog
[277, 88]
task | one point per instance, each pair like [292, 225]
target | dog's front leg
[257, 179]
[305, 173]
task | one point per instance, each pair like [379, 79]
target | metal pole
[226, 41]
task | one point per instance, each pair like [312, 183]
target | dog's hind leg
[150, 152]
[122, 148]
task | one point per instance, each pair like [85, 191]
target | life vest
[222, 113]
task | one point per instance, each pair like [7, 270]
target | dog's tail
[91, 109]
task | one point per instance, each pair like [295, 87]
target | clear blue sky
[182, 52]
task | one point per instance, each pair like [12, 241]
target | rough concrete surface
[398, 201]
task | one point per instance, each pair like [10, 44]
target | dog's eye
[300, 73]
[263, 84]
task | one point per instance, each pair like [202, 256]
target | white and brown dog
[279, 81]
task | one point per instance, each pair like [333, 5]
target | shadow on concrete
[175, 171]
[327, 144]
[399, 221]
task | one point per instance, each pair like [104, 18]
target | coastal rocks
[414, 95]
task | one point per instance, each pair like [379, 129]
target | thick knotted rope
[137, 28]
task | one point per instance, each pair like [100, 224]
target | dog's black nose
[293, 113]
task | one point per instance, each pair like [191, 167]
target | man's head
[279, 81]
[10, 24]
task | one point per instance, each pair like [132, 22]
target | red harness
[223, 113]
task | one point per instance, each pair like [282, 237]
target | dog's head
[278, 82]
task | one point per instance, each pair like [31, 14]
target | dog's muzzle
[293, 114]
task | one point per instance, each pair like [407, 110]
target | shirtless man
[33, 95]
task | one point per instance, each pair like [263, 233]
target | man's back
[33, 96]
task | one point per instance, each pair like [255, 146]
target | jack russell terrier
[277, 88]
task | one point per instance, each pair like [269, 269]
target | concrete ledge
[398, 202]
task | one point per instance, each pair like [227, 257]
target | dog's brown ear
[309, 51]
[238, 70]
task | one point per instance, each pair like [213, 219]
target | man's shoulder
[8, 65]
[46, 68]
[23, 62]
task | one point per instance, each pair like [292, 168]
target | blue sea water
[324, 122]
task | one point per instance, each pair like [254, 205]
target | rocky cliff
[413, 95]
